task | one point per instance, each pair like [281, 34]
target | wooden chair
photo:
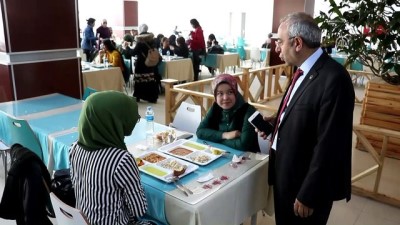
[65, 214]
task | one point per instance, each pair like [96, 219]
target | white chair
[187, 118]
[65, 214]
[255, 56]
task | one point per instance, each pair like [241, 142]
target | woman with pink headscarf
[226, 121]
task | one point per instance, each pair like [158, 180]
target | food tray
[192, 151]
[160, 165]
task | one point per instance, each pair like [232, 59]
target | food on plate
[139, 162]
[153, 170]
[153, 158]
[194, 145]
[172, 165]
[200, 158]
[162, 135]
[180, 151]
[223, 177]
[216, 151]
[180, 171]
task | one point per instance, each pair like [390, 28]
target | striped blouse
[107, 185]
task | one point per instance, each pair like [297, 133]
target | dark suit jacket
[312, 161]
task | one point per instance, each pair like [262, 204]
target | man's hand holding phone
[264, 125]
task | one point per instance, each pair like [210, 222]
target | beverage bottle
[105, 60]
[149, 126]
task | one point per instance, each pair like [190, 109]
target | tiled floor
[358, 211]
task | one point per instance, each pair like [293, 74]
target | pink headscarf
[226, 79]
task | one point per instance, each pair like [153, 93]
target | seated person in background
[214, 49]
[181, 48]
[104, 174]
[210, 40]
[113, 56]
[172, 41]
[165, 49]
[126, 45]
[267, 43]
[226, 121]
[158, 41]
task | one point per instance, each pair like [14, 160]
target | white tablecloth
[103, 79]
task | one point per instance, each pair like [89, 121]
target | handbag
[152, 58]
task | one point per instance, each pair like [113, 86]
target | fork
[176, 180]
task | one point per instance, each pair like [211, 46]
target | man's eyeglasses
[279, 42]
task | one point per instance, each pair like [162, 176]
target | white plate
[162, 172]
[195, 151]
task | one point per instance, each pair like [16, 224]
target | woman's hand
[231, 134]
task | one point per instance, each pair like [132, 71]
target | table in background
[103, 79]
[49, 116]
[178, 69]
[221, 61]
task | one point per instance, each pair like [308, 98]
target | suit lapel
[310, 77]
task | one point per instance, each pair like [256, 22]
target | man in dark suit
[310, 156]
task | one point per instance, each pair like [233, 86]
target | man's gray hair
[143, 28]
[300, 24]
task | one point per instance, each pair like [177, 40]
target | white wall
[213, 15]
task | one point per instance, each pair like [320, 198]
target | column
[38, 49]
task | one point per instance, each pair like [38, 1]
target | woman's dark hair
[181, 41]
[195, 23]
[211, 37]
[110, 46]
[172, 40]
[90, 21]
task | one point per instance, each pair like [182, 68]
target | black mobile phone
[185, 136]
[258, 122]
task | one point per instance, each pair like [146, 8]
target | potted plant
[371, 28]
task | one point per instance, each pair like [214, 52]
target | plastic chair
[187, 118]
[88, 91]
[21, 132]
[65, 214]
[255, 56]
[242, 54]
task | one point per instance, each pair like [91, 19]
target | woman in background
[89, 40]
[197, 46]
[226, 121]
[181, 48]
[147, 79]
[104, 174]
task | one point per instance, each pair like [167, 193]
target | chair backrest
[88, 91]
[20, 132]
[65, 214]
[187, 118]
[255, 54]
[241, 52]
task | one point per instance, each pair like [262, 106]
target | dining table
[178, 68]
[221, 61]
[102, 78]
[234, 190]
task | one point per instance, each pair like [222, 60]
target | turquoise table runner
[39, 104]
[44, 128]
[209, 60]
